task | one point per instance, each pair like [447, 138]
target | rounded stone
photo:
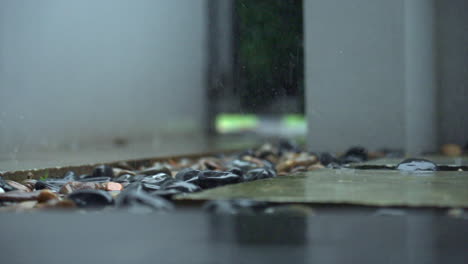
[411, 165]
[91, 198]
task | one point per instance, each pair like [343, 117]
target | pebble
[257, 174]
[40, 185]
[19, 196]
[166, 194]
[316, 166]
[70, 176]
[95, 179]
[46, 195]
[243, 165]
[18, 186]
[451, 150]
[5, 186]
[411, 165]
[187, 174]
[157, 179]
[103, 171]
[135, 198]
[124, 178]
[74, 186]
[211, 179]
[112, 186]
[150, 186]
[91, 198]
[58, 204]
[327, 158]
[355, 154]
[119, 172]
[157, 168]
[30, 183]
[181, 186]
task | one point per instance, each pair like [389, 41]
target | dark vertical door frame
[220, 59]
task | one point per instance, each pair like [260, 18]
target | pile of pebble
[152, 188]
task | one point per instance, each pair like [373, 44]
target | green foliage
[45, 177]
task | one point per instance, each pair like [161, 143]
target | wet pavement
[330, 235]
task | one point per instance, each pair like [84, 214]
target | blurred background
[94, 81]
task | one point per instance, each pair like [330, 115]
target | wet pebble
[258, 174]
[150, 186]
[187, 174]
[74, 186]
[355, 154]
[46, 195]
[91, 198]
[18, 196]
[40, 185]
[181, 186]
[243, 165]
[157, 168]
[135, 198]
[211, 179]
[124, 178]
[157, 179]
[5, 186]
[411, 165]
[166, 194]
[70, 176]
[18, 186]
[103, 171]
[327, 158]
[95, 179]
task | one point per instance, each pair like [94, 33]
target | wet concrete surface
[352, 186]
[330, 235]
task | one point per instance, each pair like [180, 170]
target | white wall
[386, 73]
[354, 68]
[90, 70]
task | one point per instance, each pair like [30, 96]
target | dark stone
[240, 206]
[40, 185]
[257, 174]
[155, 170]
[124, 178]
[186, 174]
[248, 152]
[243, 165]
[211, 179]
[57, 182]
[236, 171]
[135, 198]
[286, 145]
[416, 165]
[355, 154]
[95, 179]
[91, 198]
[5, 186]
[327, 158]
[181, 186]
[138, 177]
[150, 186]
[166, 194]
[157, 179]
[103, 171]
[70, 176]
